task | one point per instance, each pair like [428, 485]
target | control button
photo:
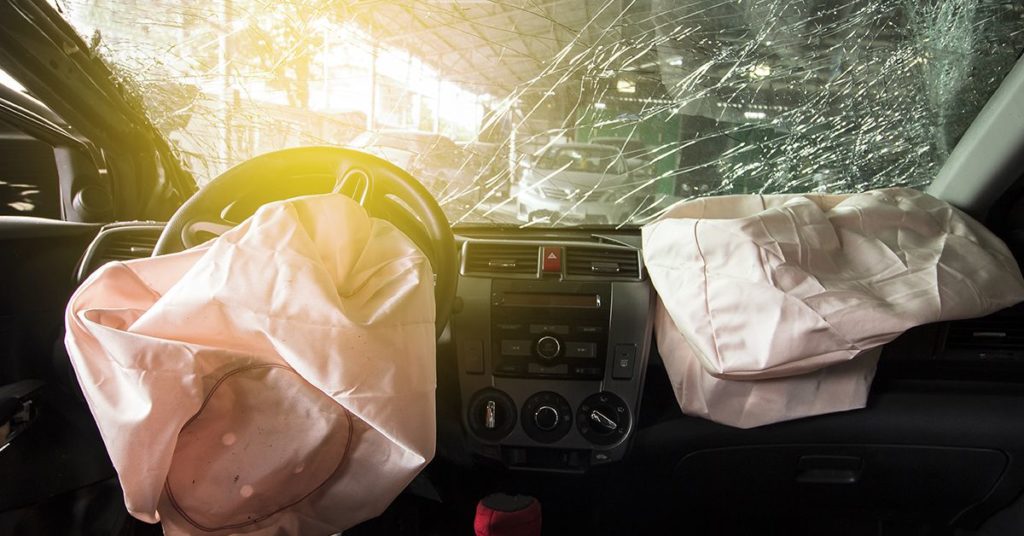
[491, 414]
[587, 371]
[515, 456]
[510, 327]
[598, 458]
[603, 419]
[515, 348]
[590, 330]
[549, 328]
[548, 347]
[561, 370]
[546, 418]
[473, 356]
[580, 349]
[552, 260]
[510, 368]
[491, 451]
[623, 361]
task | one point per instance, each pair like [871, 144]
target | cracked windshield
[569, 112]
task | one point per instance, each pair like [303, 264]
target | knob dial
[548, 347]
[603, 419]
[603, 422]
[546, 418]
[491, 414]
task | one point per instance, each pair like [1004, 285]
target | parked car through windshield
[576, 182]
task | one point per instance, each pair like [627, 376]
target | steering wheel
[385, 190]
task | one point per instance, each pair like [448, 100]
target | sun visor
[774, 307]
[277, 380]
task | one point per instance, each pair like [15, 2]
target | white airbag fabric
[277, 380]
[773, 307]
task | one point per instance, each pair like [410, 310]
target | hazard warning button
[552, 260]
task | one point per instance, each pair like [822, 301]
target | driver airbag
[276, 380]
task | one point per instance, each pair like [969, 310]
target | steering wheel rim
[384, 189]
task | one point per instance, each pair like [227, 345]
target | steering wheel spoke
[197, 232]
[357, 183]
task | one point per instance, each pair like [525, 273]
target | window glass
[588, 159]
[701, 97]
[29, 185]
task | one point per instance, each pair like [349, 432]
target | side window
[28, 176]
[29, 185]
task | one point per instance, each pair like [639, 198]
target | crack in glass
[570, 112]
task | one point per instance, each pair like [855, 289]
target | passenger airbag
[773, 307]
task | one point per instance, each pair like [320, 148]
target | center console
[552, 342]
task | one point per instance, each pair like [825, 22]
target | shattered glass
[697, 98]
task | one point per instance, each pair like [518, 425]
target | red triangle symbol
[552, 255]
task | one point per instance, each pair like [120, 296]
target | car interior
[549, 380]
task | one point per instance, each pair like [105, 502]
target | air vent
[120, 243]
[497, 258]
[998, 335]
[602, 262]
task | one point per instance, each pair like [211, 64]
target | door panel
[38, 277]
[61, 450]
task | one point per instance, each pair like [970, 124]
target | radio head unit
[550, 329]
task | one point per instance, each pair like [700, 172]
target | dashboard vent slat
[983, 333]
[120, 244]
[1001, 333]
[611, 263]
[490, 258]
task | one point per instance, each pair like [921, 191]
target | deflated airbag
[774, 307]
[279, 379]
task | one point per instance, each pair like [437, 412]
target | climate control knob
[603, 419]
[491, 414]
[546, 418]
[602, 422]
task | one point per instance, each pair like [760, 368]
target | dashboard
[551, 336]
[548, 371]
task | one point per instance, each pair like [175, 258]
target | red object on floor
[507, 515]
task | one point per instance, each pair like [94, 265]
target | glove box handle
[829, 469]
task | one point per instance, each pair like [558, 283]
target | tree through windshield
[701, 97]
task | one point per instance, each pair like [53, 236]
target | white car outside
[576, 182]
